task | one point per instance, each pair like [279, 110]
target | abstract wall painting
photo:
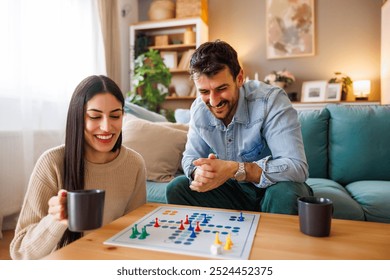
[289, 28]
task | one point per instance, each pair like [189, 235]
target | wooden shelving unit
[173, 30]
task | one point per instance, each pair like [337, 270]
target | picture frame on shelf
[314, 91]
[290, 28]
[170, 59]
[333, 92]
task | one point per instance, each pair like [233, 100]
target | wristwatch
[240, 174]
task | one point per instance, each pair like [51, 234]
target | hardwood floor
[4, 244]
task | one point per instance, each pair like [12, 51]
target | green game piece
[134, 234]
[135, 229]
[143, 234]
[144, 230]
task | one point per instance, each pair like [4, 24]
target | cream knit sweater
[37, 233]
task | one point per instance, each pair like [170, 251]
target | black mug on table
[85, 209]
[315, 215]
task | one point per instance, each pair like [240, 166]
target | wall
[347, 39]
[385, 54]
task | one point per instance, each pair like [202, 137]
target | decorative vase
[161, 9]
[182, 85]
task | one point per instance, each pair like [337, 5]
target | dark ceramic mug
[315, 215]
[85, 209]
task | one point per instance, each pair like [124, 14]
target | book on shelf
[184, 63]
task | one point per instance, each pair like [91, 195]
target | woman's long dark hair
[74, 164]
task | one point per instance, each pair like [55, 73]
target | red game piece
[156, 223]
[181, 225]
[187, 222]
[197, 227]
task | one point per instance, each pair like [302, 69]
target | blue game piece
[190, 227]
[205, 221]
[241, 218]
[193, 234]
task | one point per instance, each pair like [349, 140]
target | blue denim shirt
[265, 130]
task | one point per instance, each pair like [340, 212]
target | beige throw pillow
[161, 144]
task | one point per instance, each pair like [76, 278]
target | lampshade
[361, 88]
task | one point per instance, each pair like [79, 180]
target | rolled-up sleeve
[282, 132]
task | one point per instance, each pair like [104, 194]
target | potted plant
[150, 81]
[346, 82]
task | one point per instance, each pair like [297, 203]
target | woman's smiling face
[103, 125]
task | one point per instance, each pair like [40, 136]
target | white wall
[385, 54]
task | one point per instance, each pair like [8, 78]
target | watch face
[240, 176]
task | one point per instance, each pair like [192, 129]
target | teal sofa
[348, 152]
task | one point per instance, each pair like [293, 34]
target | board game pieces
[133, 233]
[143, 234]
[186, 220]
[214, 240]
[156, 223]
[136, 232]
[181, 225]
[193, 234]
[228, 243]
[229, 238]
[190, 227]
[241, 218]
[197, 226]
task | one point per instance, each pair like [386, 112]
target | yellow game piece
[229, 239]
[227, 246]
[229, 243]
[217, 241]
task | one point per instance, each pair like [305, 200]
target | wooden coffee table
[277, 238]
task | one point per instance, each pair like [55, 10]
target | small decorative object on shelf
[162, 9]
[346, 82]
[192, 8]
[281, 79]
[361, 89]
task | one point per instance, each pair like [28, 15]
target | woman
[92, 157]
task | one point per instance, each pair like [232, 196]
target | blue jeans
[278, 198]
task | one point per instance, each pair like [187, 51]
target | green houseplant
[346, 83]
[150, 81]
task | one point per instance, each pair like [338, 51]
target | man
[244, 149]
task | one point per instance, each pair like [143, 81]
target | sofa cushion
[182, 115]
[143, 113]
[160, 144]
[314, 126]
[344, 206]
[374, 197]
[359, 143]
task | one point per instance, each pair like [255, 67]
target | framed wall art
[333, 92]
[314, 91]
[289, 28]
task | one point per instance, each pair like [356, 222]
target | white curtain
[46, 48]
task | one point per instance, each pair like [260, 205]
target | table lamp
[361, 89]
